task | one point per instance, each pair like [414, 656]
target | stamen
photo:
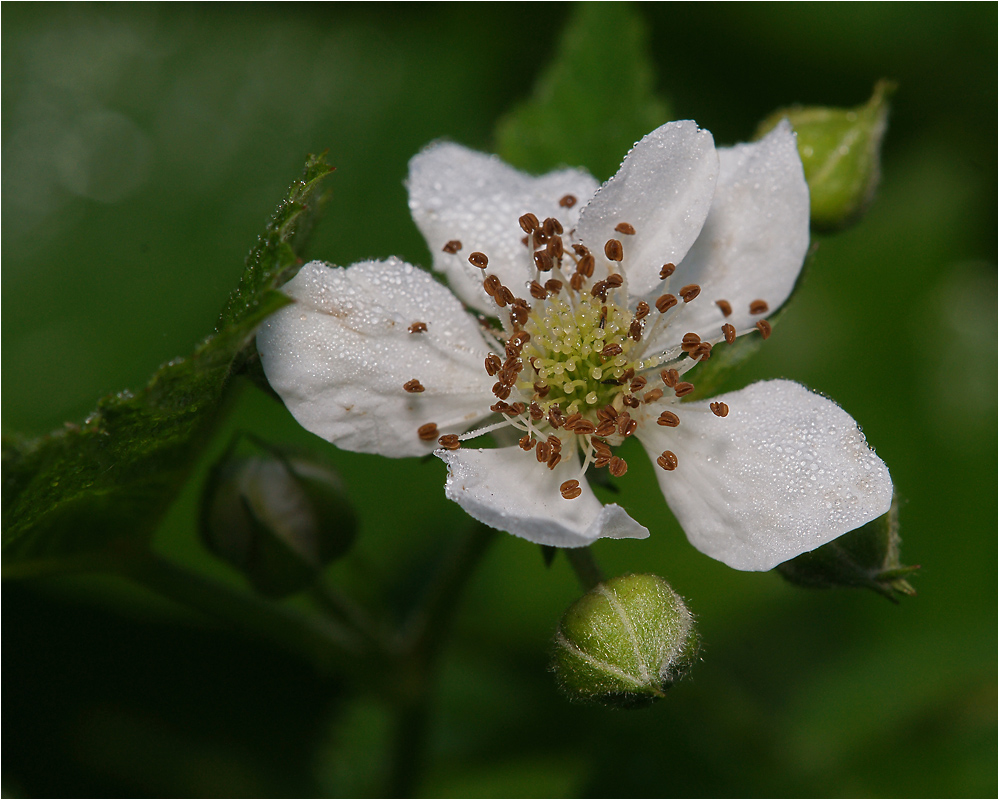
[570, 490]
[553, 459]
[683, 388]
[413, 386]
[492, 285]
[452, 247]
[652, 395]
[623, 421]
[617, 467]
[765, 328]
[543, 261]
[493, 364]
[725, 306]
[501, 390]
[614, 250]
[568, 201]
[642, 310]
[631, 401]
[538, 292]
[625, 228]
[552, 227]
[701, 351]
[585, 266]
[719, 409]
[635, 330]
[576, 281]
[536, 411]
[449, 441]
[553, 286]
[418, 327]
[427, 432]
[667, 460]
[599, 289]
[606, 428]
[555, 248]
[542, 451]
[479, 260]
[689, 292]
[528, 223]
[526, 442]
[689, 342]
[729, 331]
[667, 270]
[638, 383]
[665, 303]
[611, 350]
[758, 307]
[580, 250]
[668, 419]
[670, 377]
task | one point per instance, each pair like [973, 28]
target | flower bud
[865, 557]
[278, 517]
[840, 149]
[625, 642]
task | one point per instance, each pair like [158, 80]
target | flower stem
[585, 566]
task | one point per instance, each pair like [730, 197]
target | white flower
[606, 299]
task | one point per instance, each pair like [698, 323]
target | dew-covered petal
[755, 238]
[508, 489]
[663, 190]
[340, 355]
[457, 194]
[785, 472]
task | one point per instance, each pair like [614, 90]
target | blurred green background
[143, 149]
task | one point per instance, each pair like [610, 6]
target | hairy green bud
[840, 150]
[867, 557]
[278, 517]
[625, 642]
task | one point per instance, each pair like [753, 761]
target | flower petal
[339, 357]
[663, 189]
[755, 239]
[508, 489]
[459, 194]
[785, 472]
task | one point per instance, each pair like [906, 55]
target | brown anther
[524, 240]
[667, 270]
[584, 428]
[729, 331]
[652, 395]
[536, 411]
[538, 237]
[665, 303]
[629, 429]
[719, 409]
[553, 459]
[518, 408]
[555, 418]
[449, 441]
[506, 295]
[526, 443]
[725, 306]
[623, 420]
[570, 490]
[611, 350]
[519, 313]
[607, 412]
[452, 247]
[606, 428]
[631, 401]
[542, 389]
[492, 285]
[642, 310]
[538, 291]
[670, 377]
[690, 338]
[493, 364]
[701, 351]
[689, 292]
[572, 420]
[499, 407]
[683, 388]
[528, 223]
[667, 460]
[601, 448]
[554, 248]
[543, 261]
[614, 250]
[758, 307]
[603, 317]
[479, 260]
[585, 266]
[627, 375]
[625, 228]
[553, 286]
[614, 280]
[764, 328]
[552, 227]
[542, 451]
[523, 337]
[617, 467]
[554, 442]
[635, 330]
[418, 327]
[637, 383]
[599, 289]
[580, 250]
[576, 281]
[427, 432]
[668, 419]
[567, 201]
[501, 390]
[413, 386]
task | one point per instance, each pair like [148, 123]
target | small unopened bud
[840, 150]
[866, 557]
[278, 518]
[625, 642]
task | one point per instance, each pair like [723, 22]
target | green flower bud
[840, 149]
[866, 557]
[278, 517]
[625, 642]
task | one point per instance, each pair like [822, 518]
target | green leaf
[95, 492]
[593, 102]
